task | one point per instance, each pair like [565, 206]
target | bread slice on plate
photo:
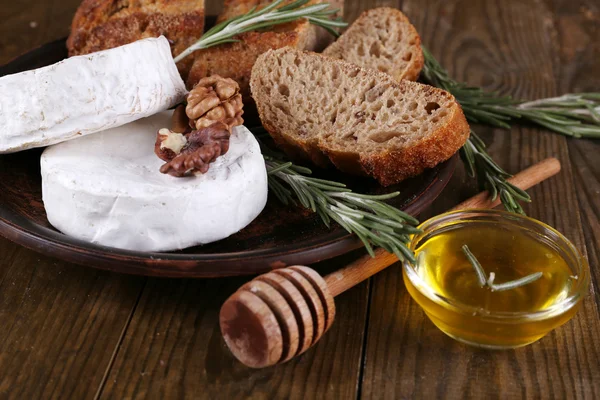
[104, 24]
[384, 37]
[235, 60]
[362, 121]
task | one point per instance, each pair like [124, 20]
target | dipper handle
[367, 266]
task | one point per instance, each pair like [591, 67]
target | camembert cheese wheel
[106, 188]
[87, 94]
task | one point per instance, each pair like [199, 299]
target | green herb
[373, 221]
[269, 16]
[490, 281]
[490, 176]
[576, 115]
[476, 265]
[516, 283]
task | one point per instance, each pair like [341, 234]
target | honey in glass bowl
[510, 246]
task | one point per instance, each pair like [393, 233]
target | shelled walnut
[215, 99]
[201, 148]
[169, 144]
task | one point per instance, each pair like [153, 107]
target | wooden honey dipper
[281, 314]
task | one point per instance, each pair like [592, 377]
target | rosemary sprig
[490, 176]
[480, 106]
[526, 280]
[373, 221]
[575, 115]
[271, 15]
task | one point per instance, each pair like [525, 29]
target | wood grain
[578, 34]
[499, 45]
[60, 324]
[173, 349]
[69, 331]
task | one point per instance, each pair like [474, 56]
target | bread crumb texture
[382, 39]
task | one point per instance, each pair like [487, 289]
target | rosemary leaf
[516, 283]
[476, 266]
[490, 281]
[280, 168]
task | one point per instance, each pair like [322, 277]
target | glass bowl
[482, 325]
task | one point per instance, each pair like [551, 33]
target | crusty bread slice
[362, 121]
[384, 38]
[104, 24]
[235, 60]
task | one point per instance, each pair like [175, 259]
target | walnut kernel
[215, 99]
[202, 148]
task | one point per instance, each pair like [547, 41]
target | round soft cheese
[106, 188]
[86, 94]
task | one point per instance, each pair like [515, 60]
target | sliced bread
[235, 60]
[387, 39]
[362, 121]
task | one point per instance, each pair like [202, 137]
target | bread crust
[104, 24]
[392, 167]
[387, 167]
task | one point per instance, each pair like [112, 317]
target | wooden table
[67, 331]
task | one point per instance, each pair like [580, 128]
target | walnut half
[169, 144]
[215, 99]
[202, 147]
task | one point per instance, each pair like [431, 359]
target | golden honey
[445, 284]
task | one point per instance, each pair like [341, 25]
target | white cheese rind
[87, 94]
[107, 189]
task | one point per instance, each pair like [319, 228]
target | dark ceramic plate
[280, 236]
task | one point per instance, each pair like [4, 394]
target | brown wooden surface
[71, 332]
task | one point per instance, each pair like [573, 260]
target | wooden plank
[577, 34]
[173, 349]
[506, 46]
[60, 324]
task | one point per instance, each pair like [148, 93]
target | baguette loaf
[384, 37]
[362, 121]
